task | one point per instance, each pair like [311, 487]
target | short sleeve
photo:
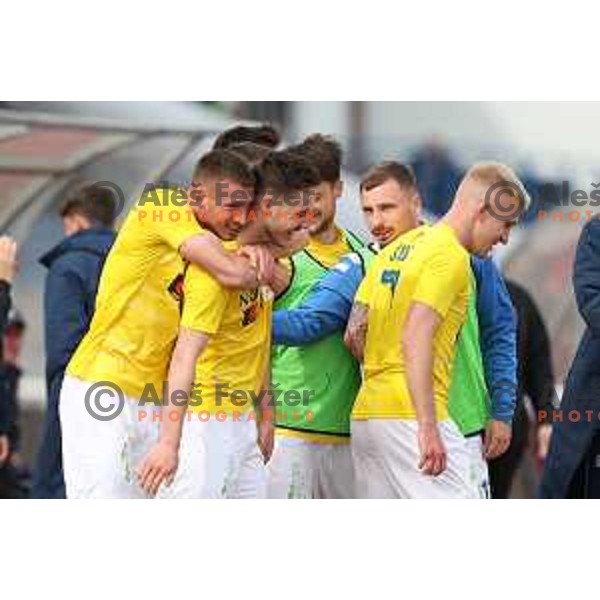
[205, 301]
[365, 289]
[444, 277]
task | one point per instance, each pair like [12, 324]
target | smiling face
[390, 210]
[287, 217]
[323, 206]
[224, 206]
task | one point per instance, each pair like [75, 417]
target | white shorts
[478, 473]
[218, 459]
[303, 469]
[100, 457]
[386, 457]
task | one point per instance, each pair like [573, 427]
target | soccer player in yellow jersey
[220, 362]
[125, 355]
[415, 295]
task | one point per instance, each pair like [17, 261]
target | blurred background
[47, 148]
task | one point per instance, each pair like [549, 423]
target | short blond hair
[492, 173]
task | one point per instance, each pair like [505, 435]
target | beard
[321, 226]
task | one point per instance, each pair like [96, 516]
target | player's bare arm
[266, 428]
[160, 465]
[356, 330]
[418, 334]
[251, 266]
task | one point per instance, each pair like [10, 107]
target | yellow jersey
[427, 265]
[327, 255]
[137, 314]
[330, 254]
[231, 371]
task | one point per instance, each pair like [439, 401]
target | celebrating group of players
[299, 361]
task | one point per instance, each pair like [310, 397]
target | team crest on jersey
[250, 304]
[390, 278]
[401, 253]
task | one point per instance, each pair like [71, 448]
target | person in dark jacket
[536, 380]
[8, 253]
[438, 177]
[14, 474]
[572, 436]
[74, 268]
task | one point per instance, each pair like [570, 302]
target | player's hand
[266, 438]
[261, 260]
[355, 347]
[543, 434]
[356, 331]
[299, 239]
[4, 448]
[158, 467]
[433, 452]
[497, 439]
[281, 279]
[8, 259]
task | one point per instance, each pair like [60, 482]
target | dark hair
[224, 164]
[263, 135]
[325, 153]
[402, 174]
[252, 153]
[286, 171]
[95, 202]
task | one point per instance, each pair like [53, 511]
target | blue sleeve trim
[325, 311]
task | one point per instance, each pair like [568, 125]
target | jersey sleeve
[365, 289]
[205, 301]
[444, 277]
[326, 309]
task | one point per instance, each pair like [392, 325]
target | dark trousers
[586, 481]
[48, 480]
[13, 483]
[503, 469]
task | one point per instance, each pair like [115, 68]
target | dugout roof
[46, 148]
